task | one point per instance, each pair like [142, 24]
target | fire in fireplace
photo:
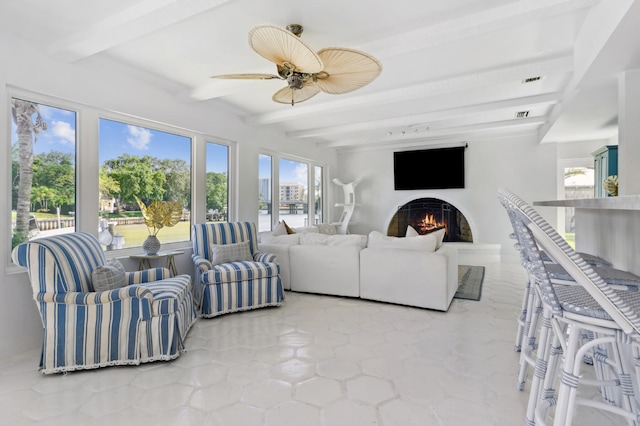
[428, 215]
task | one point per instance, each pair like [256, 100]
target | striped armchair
[241, 283]
[146, 320]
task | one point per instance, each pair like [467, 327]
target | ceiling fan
[334, 70]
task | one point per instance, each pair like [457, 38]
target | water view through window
[139, 163]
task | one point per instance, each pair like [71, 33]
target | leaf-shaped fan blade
[248, 76]
[280, 46]
[347, 70]
[291, 96]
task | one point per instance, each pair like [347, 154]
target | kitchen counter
[607, 227]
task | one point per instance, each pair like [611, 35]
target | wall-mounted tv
[439, 168]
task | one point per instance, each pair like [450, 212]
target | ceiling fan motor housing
[295, 81]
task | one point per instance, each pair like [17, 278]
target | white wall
[90, 82]
[522, 166]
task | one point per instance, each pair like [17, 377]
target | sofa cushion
[313, 238]
[224, 253]
[306, 230]
[334, 240]
[347, 240]
[421, 242]
[109, 276]
[286, 239]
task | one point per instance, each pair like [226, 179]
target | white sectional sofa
[327, 264]
[416, 271]
[409, 271]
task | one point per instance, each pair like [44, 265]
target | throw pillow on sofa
[288, 228]
[326, 228]
[224, 253]
[109, 276]
[421, 243]
[279, 229]
[411, 232]
[439, 234]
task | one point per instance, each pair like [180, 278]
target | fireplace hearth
[428, 215]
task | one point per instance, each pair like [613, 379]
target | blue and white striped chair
[247, 282]
[146, 320]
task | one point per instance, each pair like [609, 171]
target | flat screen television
[439, 168]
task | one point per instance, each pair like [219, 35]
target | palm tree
[27, 130]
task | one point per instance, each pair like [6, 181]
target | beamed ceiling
[455, 70]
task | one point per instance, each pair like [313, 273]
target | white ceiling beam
[510, 15]
[429, 117]
[133, 22]
[557, 63]
[514, 125]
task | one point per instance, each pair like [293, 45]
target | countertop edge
[628, 202]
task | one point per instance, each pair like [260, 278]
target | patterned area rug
[470, 280]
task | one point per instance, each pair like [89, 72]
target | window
[217, 182]
[317, 176]
[288, 180]
[141, 163]
[264, 193]
[43, 170]
[294, 198]
[578, 184]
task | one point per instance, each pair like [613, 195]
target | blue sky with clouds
[117, 138]
[290, 171]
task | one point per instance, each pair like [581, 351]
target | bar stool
[571, 312]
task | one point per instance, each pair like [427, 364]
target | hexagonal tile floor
[316, 360]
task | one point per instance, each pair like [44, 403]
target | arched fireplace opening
[427, 215]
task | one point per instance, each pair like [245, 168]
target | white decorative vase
[151, 245]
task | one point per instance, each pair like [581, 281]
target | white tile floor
[316, 360]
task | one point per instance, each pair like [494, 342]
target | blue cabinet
[605, 165]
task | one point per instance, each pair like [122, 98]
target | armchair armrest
[201, 263]
[147, 275]
[101, 297]
[265, 257]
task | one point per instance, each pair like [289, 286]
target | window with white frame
[217, 181]
[283, 192]
[319, 194]
[293, 190]
[265, 199]
[140, 166]
[65, 180]
[43, 170]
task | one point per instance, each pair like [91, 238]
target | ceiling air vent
[530, 79]
[522, 114]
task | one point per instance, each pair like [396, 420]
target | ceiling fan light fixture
[334, 70]
[295, 81]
